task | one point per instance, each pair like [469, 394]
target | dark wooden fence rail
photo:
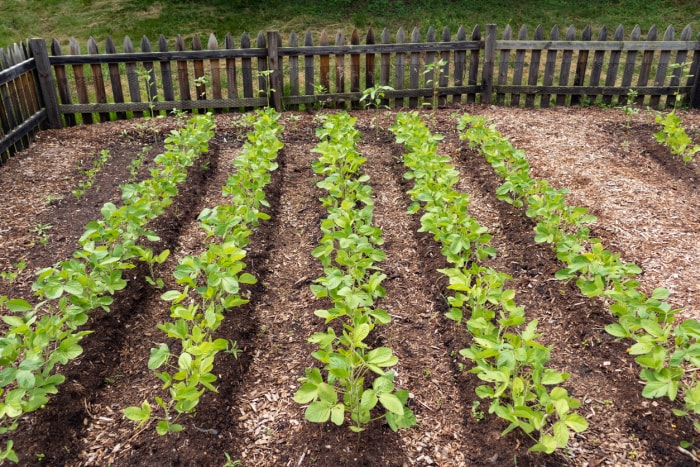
[67, 87]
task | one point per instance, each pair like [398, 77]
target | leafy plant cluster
[505, 349]
[673, 135]
[348, 251]
[40, 336]
[668, 352]
[97, 165]
[212, 281]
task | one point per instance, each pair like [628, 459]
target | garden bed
[647, 207]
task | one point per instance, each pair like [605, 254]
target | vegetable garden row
[353, 379]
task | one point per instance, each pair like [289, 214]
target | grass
[62, 19]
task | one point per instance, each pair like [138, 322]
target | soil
[647, 205]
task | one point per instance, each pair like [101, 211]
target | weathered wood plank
[565, 66]
[325, 62]
[115, 78]
[149, 74]
[166, 74]
[80, 81]
[275, 67]
[247, 69]
[231, 73]
[662, 68]
[614, 63]
[518, 69]
[215, 70]
[400, 68]
[598, 59]
[10, 103]
[444, 72]
[385, 64]
[309, 69]
[200, 84]
[473, 64]
[460, 62]
[630, 63]
[62, 83]
[339, 65]
[503, 66]
[293, 70]
[645, 68]
[429, 75]
[355, 65]
[414, 68]
[98, 79]
[581, 65]
[489, 63]
[46, 83]
[132, 77]
[183, 74]
[370, 61]
[534, 71]
[549, 68]
[260, 41]
[680, 62]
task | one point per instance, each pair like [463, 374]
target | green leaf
[576, 422]
[18, 305]
[338, 414]
[306, 393]
[139, 414]
[158, 357]
[391, 403]
[561, 434]
[617, 330]
[318, 412]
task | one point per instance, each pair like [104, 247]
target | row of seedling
[504, 348]
[668, 352]
[211, 282]
[355, 379]
[40, 336]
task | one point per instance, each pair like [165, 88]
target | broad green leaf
[158, 357]
[306, 393]
[391, 403]
[318, 412]
[576, 422]
[18, 305]
[561, 434]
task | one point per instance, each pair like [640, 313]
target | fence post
[489, 56]
[47, 86]
[274, 65]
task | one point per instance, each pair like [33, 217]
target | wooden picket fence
[68, 87]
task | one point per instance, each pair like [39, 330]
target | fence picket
[647, 60]
[581, 65]
[355, 66]
[132, 77]
[149, 74]
[183, 74]
[98, 79]
[681, 58]
[473, 63]
[414, 69]
[630, 62]
[662, 68]
[566, 66]
[534, 71]
[340, 64]
[293, 71]
[200, 85]
[518, 70]
[369, 60]
[613, 64]
[166, 74]
[80, 82]
[598, 58]
[399, 72]
[309, 70]
[325, 64]
[429, 74]
[231, 74]
[62, 83]
[247, 69]
[444, 73]
[215, 71]
[503, 66]
[549, 67]
[115, 78]
[262, 66]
